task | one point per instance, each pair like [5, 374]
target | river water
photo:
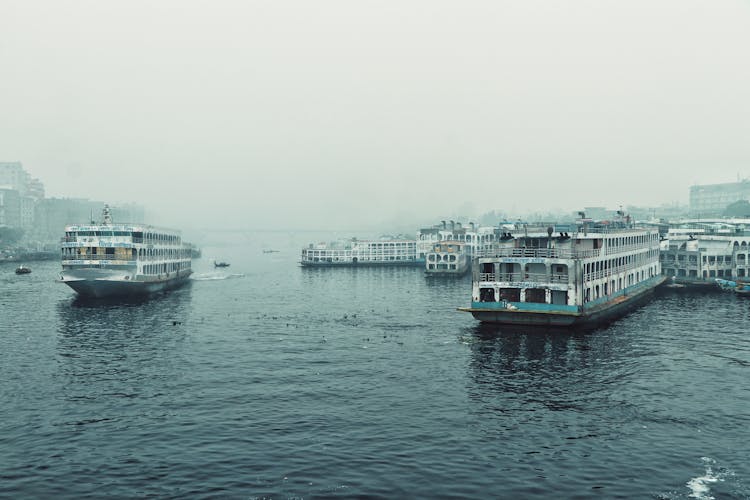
[268, 380]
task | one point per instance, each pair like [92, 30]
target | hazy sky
[352, 112]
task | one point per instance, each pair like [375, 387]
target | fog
[355, 114]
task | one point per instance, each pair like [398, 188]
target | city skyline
[336, 114]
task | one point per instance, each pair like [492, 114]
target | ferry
[582, 274]
[449, 258]
[448, 249]
[477, 239]
[108, 259]
[355, 252]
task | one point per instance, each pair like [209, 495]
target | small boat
[22, 270]
[726, 284]
[270, 251]
[221, 264]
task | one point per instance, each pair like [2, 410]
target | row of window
[621, 241]
[168, 253]
[71, 235]
[613, 286]
[170, 267]
[626, 261]
[127, 253]
[358, 259]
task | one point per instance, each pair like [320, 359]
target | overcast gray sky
[353, 112]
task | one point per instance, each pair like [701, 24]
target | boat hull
[94, 283]
[365, 263]
[571, 317]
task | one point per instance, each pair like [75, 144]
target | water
[267, 380]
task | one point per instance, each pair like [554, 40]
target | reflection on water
[523, 369]
[105, 342]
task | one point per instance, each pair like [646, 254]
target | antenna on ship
[107, 215]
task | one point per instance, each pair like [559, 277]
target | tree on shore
[738, 209]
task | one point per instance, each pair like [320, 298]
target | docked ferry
[448, 258]
[578, 275]
[448, 249]
[107, 259]
[475, 239]
[355, 252]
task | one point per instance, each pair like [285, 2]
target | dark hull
[397, 263]
[106, 288]
[588, 318]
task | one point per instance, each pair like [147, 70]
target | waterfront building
[10, 207]
[699, 251]
[712, 199]
[13, 177]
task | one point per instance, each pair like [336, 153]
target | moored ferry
[448, 258]
[355, 252]
[578, 275]
[448, 249]
[476, 239]
[107, 259]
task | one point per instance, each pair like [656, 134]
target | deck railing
[541, 253]
[524, 278]
[98, 257]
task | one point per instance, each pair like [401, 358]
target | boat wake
[700, 487]
[216, 276]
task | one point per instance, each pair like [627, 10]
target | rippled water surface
[265, 379]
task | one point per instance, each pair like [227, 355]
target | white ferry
[451, 258]
[477, 239]
[449, 249]
[580, 275]
[355, 252]
[100, 260]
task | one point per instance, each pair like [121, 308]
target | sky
[293, 114]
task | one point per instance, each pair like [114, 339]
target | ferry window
[487, 295]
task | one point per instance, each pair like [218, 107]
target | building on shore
[19, 195]
[699, 251]
[711, 200]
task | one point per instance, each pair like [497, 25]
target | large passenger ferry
[582, 274]
[100, 260]
[355, 252]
